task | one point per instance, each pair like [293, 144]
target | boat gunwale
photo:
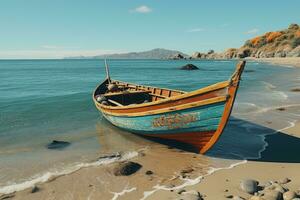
[207, 89]
[196, 104]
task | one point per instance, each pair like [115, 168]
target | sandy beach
[176, 171]
[171, 173]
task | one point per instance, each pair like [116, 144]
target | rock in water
[249, 186]
[55, 144]
[189, 67]
[127, 168]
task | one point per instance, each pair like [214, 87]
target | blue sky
[58, 28]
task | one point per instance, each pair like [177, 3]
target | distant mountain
[158, 53]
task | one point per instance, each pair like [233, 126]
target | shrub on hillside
[282, 37]
[295, 42]
[258, 41]
[271, 36]
[294, 26]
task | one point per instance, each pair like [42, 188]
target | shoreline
[164, 183]
[287, 61]
[94, 182]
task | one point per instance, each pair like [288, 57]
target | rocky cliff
[283, 43]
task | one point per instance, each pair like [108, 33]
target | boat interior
[117, 93]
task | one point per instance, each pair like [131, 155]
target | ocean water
[45, 100]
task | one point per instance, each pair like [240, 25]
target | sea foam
[42, 178]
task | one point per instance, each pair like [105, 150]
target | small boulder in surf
[189, 67]
[55, 144]
[127, 168]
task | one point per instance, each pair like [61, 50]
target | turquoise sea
[46, 100]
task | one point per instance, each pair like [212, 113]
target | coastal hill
[157, 53]
[282, 43]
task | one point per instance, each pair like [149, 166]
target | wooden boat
[197, 118]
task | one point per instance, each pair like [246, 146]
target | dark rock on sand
[55, 144]
[187, 171]
[228, 196]
[189, 67]
[181, 191]
[280, 109]
[127, 168]
[295, 90]
[35, 189]
[249, 186]
[149, 172]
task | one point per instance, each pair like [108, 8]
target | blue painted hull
[198, 119]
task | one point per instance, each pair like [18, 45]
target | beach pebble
[249, 186]
[272, 195]
[191, 195]
[35, 189]
[295, 90]
[238, 198]
[55, 144]
[289, 195]
[149, 172]
[127, 168]
[276, 187]
[181, 191]
[267, 184]
[284, 181]
[186, 171]
[280, 109]
[228, 196]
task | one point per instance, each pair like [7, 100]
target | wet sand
[176, 171]
[226, 182]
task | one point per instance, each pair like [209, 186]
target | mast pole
[107, 71]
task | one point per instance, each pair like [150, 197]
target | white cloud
[253, 31]
[195, 30]
[142, 9]
[52, 53]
